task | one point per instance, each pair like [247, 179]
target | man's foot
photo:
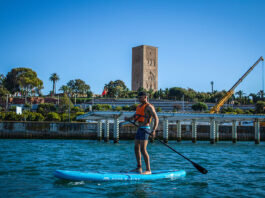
[146, 172]
[137, 170]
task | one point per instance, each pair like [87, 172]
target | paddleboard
[117, 176]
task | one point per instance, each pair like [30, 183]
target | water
[27, 166]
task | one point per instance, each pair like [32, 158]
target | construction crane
[223, 100]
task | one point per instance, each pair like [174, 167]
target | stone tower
[144, 67]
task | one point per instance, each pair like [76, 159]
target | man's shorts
[142, 133]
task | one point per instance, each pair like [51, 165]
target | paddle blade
[200, 168]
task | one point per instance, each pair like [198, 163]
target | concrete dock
[102, 125]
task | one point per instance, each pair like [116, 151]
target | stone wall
[48, 130]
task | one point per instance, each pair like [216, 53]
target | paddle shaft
[197, 166]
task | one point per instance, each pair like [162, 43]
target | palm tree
[2, 78]
[54, 78]
[260, 94]
[212, 85]
[65, 89]
[240, 94]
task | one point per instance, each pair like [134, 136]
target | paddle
[197, 166]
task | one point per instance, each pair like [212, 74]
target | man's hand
[153, 134]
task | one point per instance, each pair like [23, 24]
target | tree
[38, 89]
[89, 94]
[53, 116]
[156, 95]
[216, 96]
[2, 80]
[166, 93]
[240, 94]
[239, 111]
[3, 90]
[46, 108]
[54, 78]
[158, 109]
[119, 91]
[212, 85]
[102, 107]
[200, 106]
[176, 93]
[132, 94]
[65, 89]
[125, 93]
[64, 104]
[228, 110]
[23, 80]
[140, 89]
[254, 97]
[116, 88]
[160, 94]
[151, 93]
[78, 87]
[260, 107]
[71, 86]
[203, 97]
[260, 94]
[190, 94]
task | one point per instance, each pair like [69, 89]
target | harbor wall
[50, 130]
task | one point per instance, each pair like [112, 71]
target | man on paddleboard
[144, 113]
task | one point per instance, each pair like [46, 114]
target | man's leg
[138, 156]
[143, 145]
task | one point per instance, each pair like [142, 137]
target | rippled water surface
[27, 166]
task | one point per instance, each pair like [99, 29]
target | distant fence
[48, 130]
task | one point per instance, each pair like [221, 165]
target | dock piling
[212, 131]
[165, 130]
[178, 130]
[216, 131]
[106, 131]
[234, 131]
[257, 131]
[194, 131]
[116, 130]
[99, 130]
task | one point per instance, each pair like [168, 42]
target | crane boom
[223, 100]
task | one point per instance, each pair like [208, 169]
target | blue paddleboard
[117, 176]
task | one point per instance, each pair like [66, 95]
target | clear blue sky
[198, 41]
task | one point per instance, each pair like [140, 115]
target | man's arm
[153, 114]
